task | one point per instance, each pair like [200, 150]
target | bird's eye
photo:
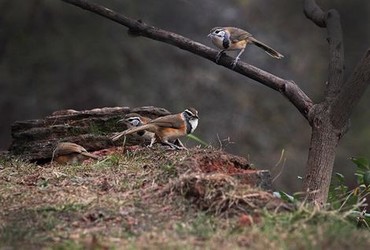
[217, 31]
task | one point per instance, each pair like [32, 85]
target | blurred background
[56, 56]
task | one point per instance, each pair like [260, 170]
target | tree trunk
[321, 155]
[325, 136]
[329, 121]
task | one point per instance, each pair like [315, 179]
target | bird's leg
[173, 146]
[152, 141]
[219, 54]
[178, 143]
[237, 58]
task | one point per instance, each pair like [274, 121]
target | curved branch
[313, 12]
[287, 88]
[351, 93]
[336, 55]
[331, 21]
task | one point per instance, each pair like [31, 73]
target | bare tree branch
[351, 92]
[336, 55]
[330, 21]
[287, 88]
[314, 13]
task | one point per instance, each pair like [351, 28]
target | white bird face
[191, 117]
[135, 121]
[218, 36]
[217, 33]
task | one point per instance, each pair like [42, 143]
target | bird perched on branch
[167, 128]
[230, 38]
[71, 153]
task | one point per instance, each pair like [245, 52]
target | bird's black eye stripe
[189, 113]
[133, 118]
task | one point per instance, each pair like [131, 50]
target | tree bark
[321, 155]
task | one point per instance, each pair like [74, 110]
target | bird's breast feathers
[173, 133]
[194, 125]
[218, 42]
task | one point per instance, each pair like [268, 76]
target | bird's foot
[173, 146]
[218, 56]
[233, 65]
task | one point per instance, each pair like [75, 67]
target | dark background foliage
[56, 56]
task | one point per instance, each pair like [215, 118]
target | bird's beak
[209, 35]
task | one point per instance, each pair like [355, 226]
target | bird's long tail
[87, 154]
[266, 48]
[131, 131]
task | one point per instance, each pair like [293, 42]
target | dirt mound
[210, 161]
[221, 194]
[218, 161]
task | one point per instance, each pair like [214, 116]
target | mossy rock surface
[36, 139]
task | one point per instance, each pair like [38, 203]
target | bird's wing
[65, 148]
[168, 121]
[238, 34]
[87, 154]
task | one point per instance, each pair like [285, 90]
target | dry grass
[152, 199]
[222, 195]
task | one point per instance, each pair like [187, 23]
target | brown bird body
[167, 128]
[71, 153]
[231, 38]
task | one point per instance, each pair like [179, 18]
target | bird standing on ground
[168, 128]
[71, 153]
[133, 120]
